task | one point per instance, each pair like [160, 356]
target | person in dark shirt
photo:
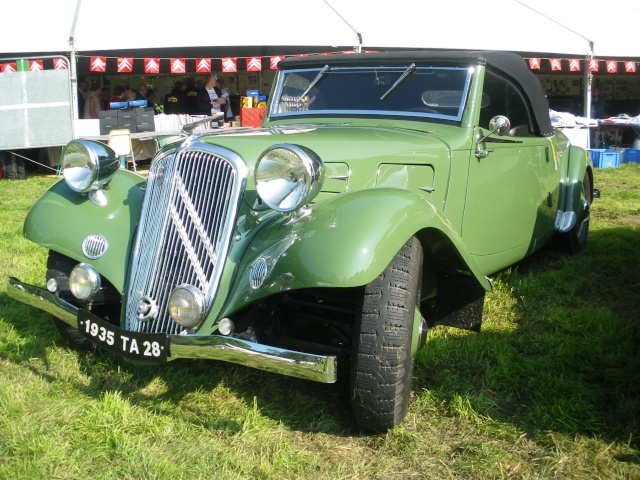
[174, 100]
[191, 97]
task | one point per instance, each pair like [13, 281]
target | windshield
[427, 92]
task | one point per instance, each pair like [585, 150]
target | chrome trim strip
[44, 300]
[318, 368]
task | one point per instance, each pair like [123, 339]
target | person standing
[174, 100]
[83, 86]
[597, 104]
[93, 104]
[118, 95]
[141, 93]
[12, 165]
[191, 97]
[210, 97]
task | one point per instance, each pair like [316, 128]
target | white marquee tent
[563, 27]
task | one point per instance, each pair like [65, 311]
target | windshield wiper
[403, 77]
[321, 74]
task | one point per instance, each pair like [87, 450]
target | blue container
[631, 155]
[605, 158]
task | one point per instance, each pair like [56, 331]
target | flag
[8, 67]
[534, 63]
[612, 66]
[229, 65]
[98, 64]
[574, 65]
[60, 63]
[178, 65]
[556, 64]
[254, 64]
[36, 65]
[630, 67]
[203, 65]
[125, 64]
[274, 60]
[593, 65]
[151, 65]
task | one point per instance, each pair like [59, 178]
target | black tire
[576, 239]
[59, 267]
[381, 363]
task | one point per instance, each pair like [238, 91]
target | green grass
[549, 389]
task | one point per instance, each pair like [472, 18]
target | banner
[36, 65]
[203, 65]
[60, 64]
[125, 64]
[229, 65]
[151, 65]
[178, 65]
[98, 64]
[254, 64]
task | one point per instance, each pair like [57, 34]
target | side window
[500, 97]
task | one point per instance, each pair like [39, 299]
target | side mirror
[498, 124]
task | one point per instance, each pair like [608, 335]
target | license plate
[149, 347]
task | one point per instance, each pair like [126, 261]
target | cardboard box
[145, 127]
[144, 118]
[144, 111]
[251, 117]
[129, 123]
[127, 113]
[107, 114]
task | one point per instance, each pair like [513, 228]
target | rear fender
[62, 218]
[573, 208]
[345, 241]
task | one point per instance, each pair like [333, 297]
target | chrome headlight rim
[84, 282]
[187, 292]
[88, 165]
[288, 176]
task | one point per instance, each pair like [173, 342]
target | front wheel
[381, 364]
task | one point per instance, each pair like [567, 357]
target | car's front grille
[185, 228]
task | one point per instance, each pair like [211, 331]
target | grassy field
[549, 389]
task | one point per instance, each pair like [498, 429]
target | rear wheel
[381, 364]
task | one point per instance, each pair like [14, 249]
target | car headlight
[88, 165]
[84, 281]
[288, 176]
[186, 305]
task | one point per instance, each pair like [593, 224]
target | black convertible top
[506, 63]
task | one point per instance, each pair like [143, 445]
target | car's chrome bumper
[319, 368]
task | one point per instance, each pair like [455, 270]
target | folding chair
[120, 142]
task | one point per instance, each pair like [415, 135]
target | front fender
[61, 219]
[345, 241]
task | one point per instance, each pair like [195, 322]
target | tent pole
[358, 47]
[588, 80]
[74, 73]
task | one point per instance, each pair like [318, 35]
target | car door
[510, 198]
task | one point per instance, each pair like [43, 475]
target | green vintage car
[380, 194]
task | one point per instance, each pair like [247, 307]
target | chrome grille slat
[185, 229]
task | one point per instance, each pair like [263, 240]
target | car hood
[343, 143]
